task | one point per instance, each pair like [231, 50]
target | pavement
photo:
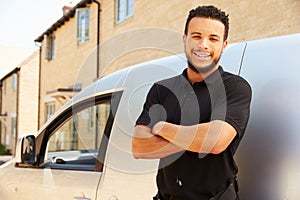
[4, 158]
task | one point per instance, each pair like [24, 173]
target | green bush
[4, 151]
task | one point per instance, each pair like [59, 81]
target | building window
[91, 122]
[4, 87]
[83, 25]
[73, 132]
[50, 110]
[49, 47]
[124, 10]
[13, 127]
[15, 81]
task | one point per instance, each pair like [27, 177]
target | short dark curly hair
[209, 12]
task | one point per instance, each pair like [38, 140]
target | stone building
[19, 100]
[95, 38]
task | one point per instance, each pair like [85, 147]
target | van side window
[75, 144]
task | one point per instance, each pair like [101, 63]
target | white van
[84, 151]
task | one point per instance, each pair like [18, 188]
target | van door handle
[113, 197]
[81, 196]
[14, 188]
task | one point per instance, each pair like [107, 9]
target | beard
[204, 69]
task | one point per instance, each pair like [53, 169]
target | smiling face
[204, 44]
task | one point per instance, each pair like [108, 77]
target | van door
[231, 59]
[127, 177]
[72, 153]
[268, 157]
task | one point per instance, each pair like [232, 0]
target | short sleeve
[234, 106]
[150, 115]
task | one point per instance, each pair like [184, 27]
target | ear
[184, 38]
[225, 43]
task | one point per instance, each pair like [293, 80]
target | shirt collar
[211, 79]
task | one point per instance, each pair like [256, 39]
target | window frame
[13, 127]
[14, 81]
[49, 106]
[82, 30]
[43, 138]
[50, 46]
[91, 124]
[127, 13]
[4, 87]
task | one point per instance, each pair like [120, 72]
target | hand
[157, 128]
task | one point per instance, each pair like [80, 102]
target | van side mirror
[28, 150]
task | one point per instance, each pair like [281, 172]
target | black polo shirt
[221, 96]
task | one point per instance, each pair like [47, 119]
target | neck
[194, 77]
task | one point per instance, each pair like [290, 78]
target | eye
[197, 37]
[214, 39]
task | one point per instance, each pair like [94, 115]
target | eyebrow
[212, 35]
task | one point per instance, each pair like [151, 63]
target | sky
[22, 21]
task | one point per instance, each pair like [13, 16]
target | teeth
[202, 54]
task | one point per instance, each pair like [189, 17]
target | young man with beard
[195, 121]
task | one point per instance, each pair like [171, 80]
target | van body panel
[268, 156]
[49, 183]
[232, 57]
[10, 181]
[137, 175]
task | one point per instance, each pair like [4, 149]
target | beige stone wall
[28, 95]
[9, 106]
[21, 103]
[149, 34]
[249, 20]
[262, 19]
[66, 69]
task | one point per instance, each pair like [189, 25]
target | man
[194, 122]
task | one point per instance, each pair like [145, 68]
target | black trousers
[229, 193]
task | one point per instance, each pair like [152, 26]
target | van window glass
[75, 144]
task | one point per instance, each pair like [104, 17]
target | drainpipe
[17, 110]
[39, 84]
[98, 38]
[97, 70]
[0, 110]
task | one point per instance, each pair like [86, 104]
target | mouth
[202, 55]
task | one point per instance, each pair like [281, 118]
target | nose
[203, 43]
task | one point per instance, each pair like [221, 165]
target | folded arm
[212, 137]
[166, 139]
[149, 146]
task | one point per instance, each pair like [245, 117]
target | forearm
[212, 137]
[149, 146]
